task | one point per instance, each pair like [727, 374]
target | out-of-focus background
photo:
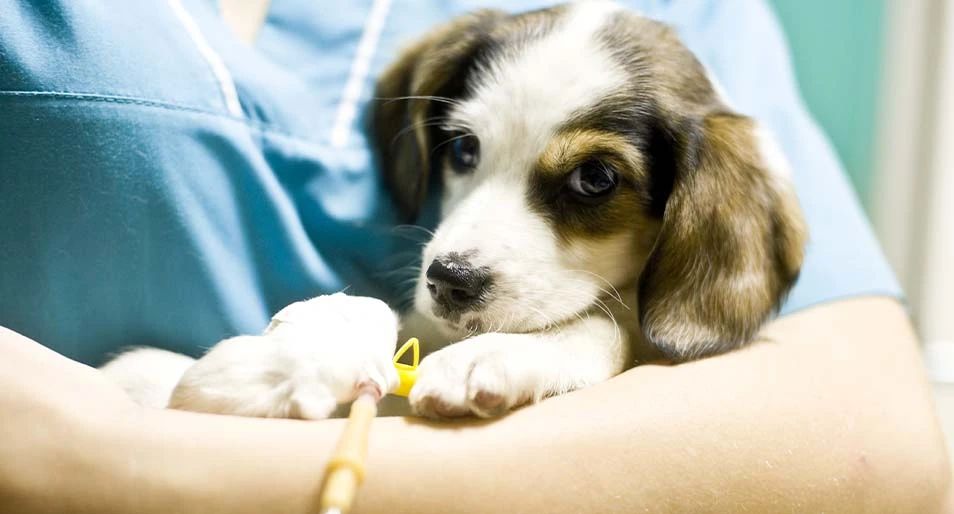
[878, 75]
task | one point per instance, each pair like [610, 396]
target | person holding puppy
[151, 205]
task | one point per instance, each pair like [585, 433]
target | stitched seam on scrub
[212, 59]
[347, 110]
[127, 100]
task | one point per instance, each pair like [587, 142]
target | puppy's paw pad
[432, 406]
[488, 402]
[480, 376]
[489, 392]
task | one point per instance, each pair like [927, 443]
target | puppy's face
[582, 149]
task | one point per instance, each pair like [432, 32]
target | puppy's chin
[456, 326]
[499, 316]
[472, 324]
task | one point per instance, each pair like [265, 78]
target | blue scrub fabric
[138, 207]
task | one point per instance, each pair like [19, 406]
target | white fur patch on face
[519, 101]
[494, 227]
[536, 282]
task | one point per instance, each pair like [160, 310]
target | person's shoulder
[843, 258]
[743, 46]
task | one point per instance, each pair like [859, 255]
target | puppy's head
[583, 149]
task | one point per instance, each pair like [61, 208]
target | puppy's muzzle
[455, 284]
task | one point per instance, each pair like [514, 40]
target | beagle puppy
[601, 205]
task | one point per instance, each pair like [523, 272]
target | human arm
[833, 415]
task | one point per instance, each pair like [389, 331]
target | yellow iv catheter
[344, 472]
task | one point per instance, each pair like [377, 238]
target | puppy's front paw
[487, 376]
[312, 357]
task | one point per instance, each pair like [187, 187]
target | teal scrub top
[163, 183]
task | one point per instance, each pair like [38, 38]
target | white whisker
[431, 98]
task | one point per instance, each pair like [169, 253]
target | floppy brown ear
[430, 71]
[730, 245]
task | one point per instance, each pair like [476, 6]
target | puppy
[601, 205]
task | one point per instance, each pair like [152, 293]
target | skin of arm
[831, 413]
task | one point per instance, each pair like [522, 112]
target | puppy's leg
[148, 375]
[311, 357]
[489, 374]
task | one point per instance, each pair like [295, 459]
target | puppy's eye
[465, 153]
[593, 181]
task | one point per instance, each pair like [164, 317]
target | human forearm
[70, 441]
[834, 416]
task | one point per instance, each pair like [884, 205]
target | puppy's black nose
[454, 283]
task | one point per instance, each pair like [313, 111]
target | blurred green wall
[836, 45]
